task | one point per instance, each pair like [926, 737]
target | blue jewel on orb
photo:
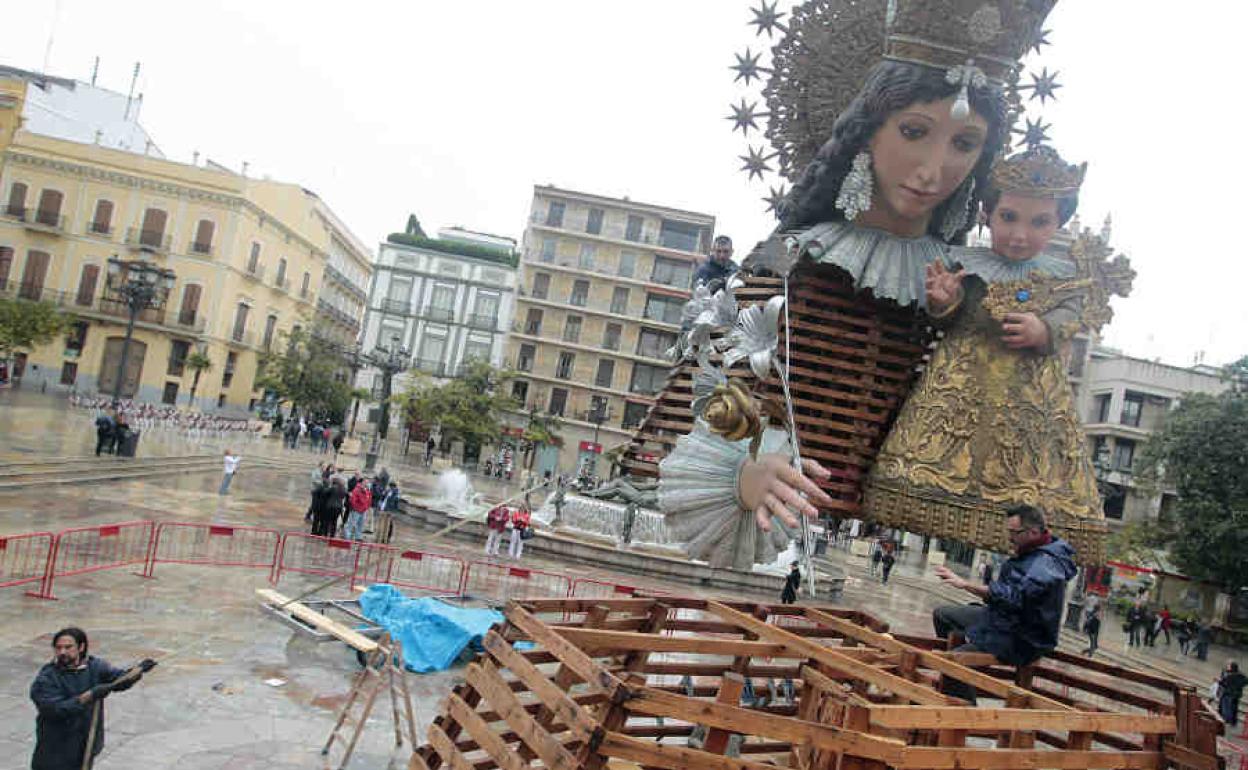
[1022, 295]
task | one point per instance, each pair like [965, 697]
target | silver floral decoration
[703, 315]
[756, 336]
[705, 380]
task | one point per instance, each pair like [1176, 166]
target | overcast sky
[454, 110]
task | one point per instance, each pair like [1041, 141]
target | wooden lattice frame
[593, 691]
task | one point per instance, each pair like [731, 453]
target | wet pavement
[235, 689]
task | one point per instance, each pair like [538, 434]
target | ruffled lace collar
[991, 267]
[889, 265]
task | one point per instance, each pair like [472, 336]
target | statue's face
[1021, 226]
[920, 156]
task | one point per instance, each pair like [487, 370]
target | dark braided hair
[890, 86]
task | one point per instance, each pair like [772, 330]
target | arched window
[86, 285]
[49, 212]
[153, 231]
[203, 237]
[102, 222]
[17, 200]
[190, 304]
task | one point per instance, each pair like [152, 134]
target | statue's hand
[943, 287]
[771, 486]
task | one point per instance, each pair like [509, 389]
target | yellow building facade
[249, 259]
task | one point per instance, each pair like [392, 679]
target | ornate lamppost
[597, 417]
[139, 286]
[390, 361]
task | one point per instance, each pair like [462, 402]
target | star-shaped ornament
[755, 163]
[1042, 39]
[747, 66]
[743, 116]
[1036, 133]
[774, 198]
[1044, 85]
[766, 18]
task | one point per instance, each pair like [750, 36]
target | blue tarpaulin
[432, 632]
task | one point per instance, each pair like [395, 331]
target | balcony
[33, 292]
[193, 323]
[396, 306]
[254, 272]
[243, 337]
[436, 368]
[15, 212]
[444, 314]
[50, 222]
[154, 241]
[118, 309]
[487, 322]
[282, 285]
[202, 249]
[99, 228]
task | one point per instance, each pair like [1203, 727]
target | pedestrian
[231, 467]
[338, 439]
[791, 583]
[985, 573]
[1091, 623]
[320, 495]
[877, 554]
[318, 480]
[1135, 619]
[1184, 632]
[385, 513]
[1204, 637]
[69, 697]
[331, 509]
[430, 445]
[1022, 614]
[495, 524]
[521, 530]
[1164, 619]
[359, 502]
[1150, 625]
[377, 491]
[104, 426]
[1230, 690]
[292, 434]
[354, 481]
[886, 562]
[314, 435]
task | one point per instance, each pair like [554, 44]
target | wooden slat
[485, 679]
[485, 738]
[972, 718]
[807, 649]
[672, 757]
[595, 676]
[596, 640]
[313, 618]
[446, 749]
[573, 716]
[942, 758]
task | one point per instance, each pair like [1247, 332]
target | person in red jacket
[520, 523]
[358, 503]
[495, 523]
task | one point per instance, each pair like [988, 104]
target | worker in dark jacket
[1020, 619]
[791, 584]
[716, 269]
[65, 692]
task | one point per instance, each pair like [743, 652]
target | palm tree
[198, 362]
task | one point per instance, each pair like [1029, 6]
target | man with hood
[1022, 609]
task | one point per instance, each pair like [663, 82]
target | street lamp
[139, 286]
[390, 361]
[598, 416]
[355, 361]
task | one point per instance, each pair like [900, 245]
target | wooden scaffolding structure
[686, 683]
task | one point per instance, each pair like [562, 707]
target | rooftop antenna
[130, 96]
[95, 70]
[47, 52]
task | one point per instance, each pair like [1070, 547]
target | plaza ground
[214, 701]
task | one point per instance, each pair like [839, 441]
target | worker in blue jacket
[1022, 610]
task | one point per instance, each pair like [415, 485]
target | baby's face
[1021, 226]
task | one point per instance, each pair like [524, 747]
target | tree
[414, 228]
[469, 408]
[1236, 373]
[1203, 451]
[26, 324]
[305, 370]
[197, 362]
[542, 429]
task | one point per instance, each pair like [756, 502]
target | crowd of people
[356, 506]
[127, 417]
[320, 436]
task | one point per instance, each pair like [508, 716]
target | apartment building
[602, 284]
[249, 256]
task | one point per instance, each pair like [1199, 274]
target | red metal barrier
[214, 545]
[91, 549]
[503, 582]
[314, 555]
[422, 570]
[25, 558]
[588, 588]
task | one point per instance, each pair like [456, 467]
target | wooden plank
[1189, 758]
[485, 679]
[446, 749]
[804, 648]
[971, 718]
[595, 676]
[949, 667]
[573, 716]
[942, 758]
[828, 687]
[672, 757]
[730, 688]
[594, 640]
[343, 633]
[651, 702]
[485, 738]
